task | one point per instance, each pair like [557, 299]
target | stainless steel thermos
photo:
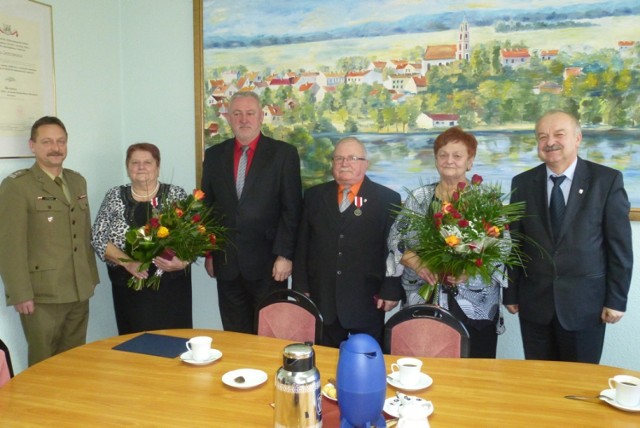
[298, 403]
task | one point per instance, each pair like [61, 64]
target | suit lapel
[540, 203]
[579, 188]
[330, 201]
[228, 166]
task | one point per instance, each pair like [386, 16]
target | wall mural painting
[395, 73]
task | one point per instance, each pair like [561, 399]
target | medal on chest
[358, 201]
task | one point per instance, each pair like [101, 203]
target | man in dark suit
[577, 237]
[341, 253]
[253, 183]
[47, 264]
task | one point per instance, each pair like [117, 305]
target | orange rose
[198, 194]
[179, 212]
[452, 240]
[202, 229]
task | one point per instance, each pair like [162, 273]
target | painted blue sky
[231, 19]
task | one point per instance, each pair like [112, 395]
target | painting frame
[199, 93]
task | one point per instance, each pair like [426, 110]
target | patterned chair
[288, 314]
[426, 331]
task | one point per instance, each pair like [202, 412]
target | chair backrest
[6, 369]
[288, 314]
[426, 331]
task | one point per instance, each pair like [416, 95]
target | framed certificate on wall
[27, 82]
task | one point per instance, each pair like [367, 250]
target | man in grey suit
[253, 183]
[578, 243]
[342, 248]
[46, 261]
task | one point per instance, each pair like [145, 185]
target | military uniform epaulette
[72, 171]
[19, 173]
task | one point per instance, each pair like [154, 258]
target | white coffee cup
[627, 390]
[200, 347]
[409, 370]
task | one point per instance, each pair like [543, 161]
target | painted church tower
[463, 47]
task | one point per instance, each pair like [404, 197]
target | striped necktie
[344, 204]
[242, 170]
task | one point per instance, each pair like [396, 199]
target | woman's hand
[172, 265]
[412, 261]
[132, 268]
[456, 279]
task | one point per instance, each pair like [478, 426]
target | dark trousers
[239, 298]
[334, 334]
[553, 342]
[483, 341]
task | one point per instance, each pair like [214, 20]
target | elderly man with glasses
[340, 259]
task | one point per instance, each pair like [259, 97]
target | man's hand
[610, 316]
[25, 308]
[208, 265]
[281, 269]
[513, 309]
[386, 305]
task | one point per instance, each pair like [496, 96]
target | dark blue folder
[155, 344]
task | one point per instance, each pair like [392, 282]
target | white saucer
[424, 381]
[328, 397]
[252, 377]
[213, 356]
[392, 404]
[611, 394]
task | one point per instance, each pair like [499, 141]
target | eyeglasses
[339, 159]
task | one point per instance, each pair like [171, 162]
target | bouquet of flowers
[183, 228]
[467, 236]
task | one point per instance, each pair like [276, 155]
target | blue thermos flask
[361, 382]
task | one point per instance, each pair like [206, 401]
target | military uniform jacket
[45, 253]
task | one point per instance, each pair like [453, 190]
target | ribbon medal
[358, 201]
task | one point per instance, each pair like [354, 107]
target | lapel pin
[49, 219]
[580, 191]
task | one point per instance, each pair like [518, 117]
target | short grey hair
[245, 94]
[360, 143]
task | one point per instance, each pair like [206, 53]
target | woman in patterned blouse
[130, 205]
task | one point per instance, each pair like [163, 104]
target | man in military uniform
[46, 262]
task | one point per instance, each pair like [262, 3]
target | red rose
[196, 218]
[462, 185]
[438, 215]
[212, 239]
[456, 195]
[476, 179]
[456, 215]
[463, 223]
[479, 262]
[154, 223]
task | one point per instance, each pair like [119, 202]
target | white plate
[424, 381]
[328, 397]
[611, 393]
[213, 356]
[392, 405]
[252, 377]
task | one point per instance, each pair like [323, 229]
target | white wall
[124, 73]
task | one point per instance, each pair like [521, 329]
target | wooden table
[94, 385]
